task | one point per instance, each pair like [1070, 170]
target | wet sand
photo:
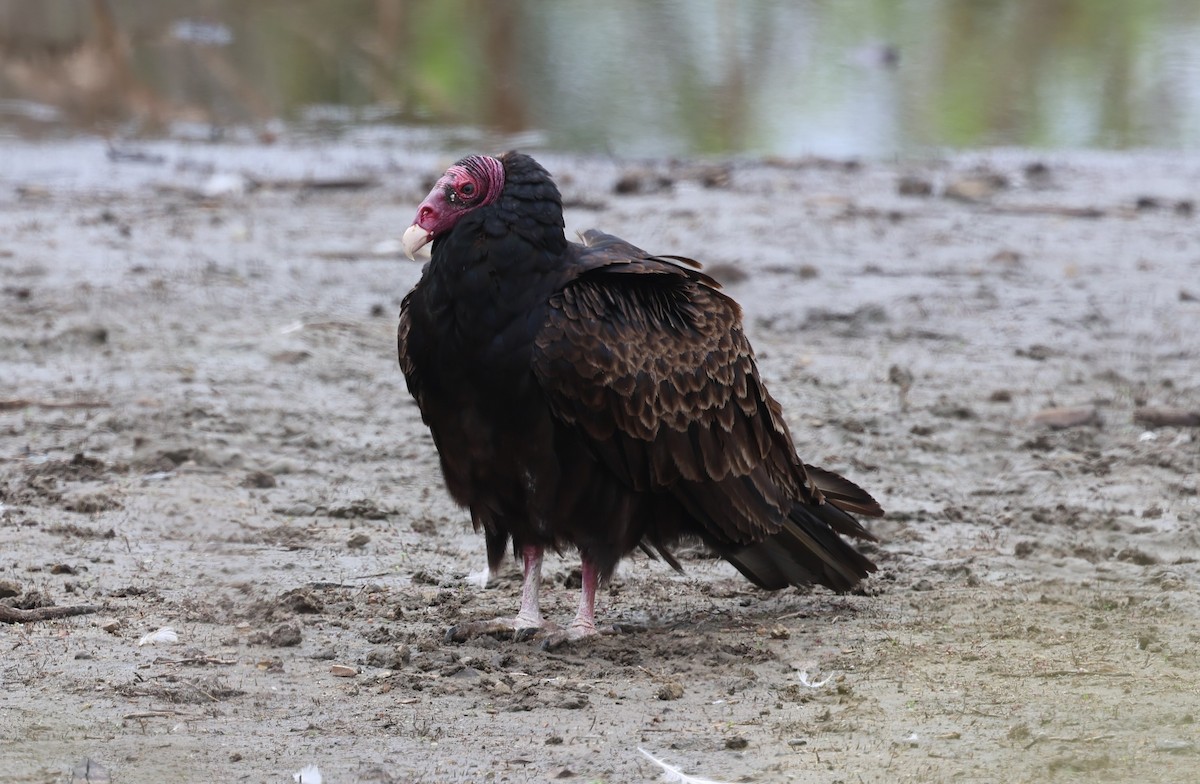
[203, 427]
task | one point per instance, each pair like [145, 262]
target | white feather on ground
[478, 579]
[813, 684]
[674, 774]
[164, 636]
[309, 774]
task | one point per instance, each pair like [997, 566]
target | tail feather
[806, 550]
[843, 493]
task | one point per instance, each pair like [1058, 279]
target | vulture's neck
[532, 210]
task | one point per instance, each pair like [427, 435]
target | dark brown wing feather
[843, 493]
[644, 355]
[407, 366]
[605, 249]
[649, 361]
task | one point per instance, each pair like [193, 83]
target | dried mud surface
[202, 427]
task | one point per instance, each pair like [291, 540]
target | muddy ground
[203, 427]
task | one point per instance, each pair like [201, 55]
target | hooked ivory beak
[416, 239]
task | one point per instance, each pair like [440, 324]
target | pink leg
[528, 621]
[530, 616]
[584, 624]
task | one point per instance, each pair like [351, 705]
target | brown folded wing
[648, 360]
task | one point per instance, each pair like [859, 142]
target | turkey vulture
[599, 397]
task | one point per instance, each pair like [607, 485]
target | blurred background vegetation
[628, 77]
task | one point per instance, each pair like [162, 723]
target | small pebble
[259, 479]
[976, 187]
[642, 182]
[1037, 174]
[285, 635]
[389, 658]
[912, 185]
[670, 691]
[573, 702]
[1008, 258]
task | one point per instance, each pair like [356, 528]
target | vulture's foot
[574, 633]
[519, 629]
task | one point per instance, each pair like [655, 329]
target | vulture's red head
[473, 182]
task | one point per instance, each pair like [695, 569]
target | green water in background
[628, 77]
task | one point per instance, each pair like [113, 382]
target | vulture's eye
[468, 189]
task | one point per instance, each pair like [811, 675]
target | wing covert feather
[407, 365]
[652, 365]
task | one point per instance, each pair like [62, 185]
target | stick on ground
[13, 615]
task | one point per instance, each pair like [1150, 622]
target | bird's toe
[518, 629]
[526, 633]
[457, 633]
[575, 633]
